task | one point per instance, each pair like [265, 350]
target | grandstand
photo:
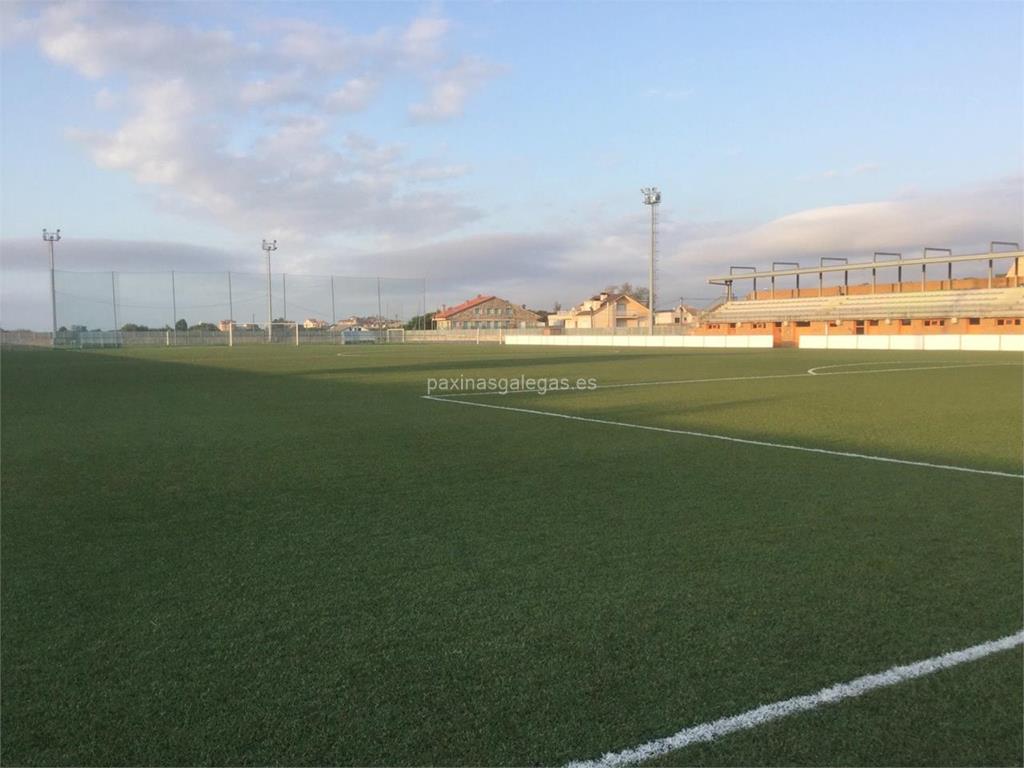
[992, 305]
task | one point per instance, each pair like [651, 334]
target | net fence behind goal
[319, 307]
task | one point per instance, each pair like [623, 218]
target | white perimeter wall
[763, 341]
[967, 342]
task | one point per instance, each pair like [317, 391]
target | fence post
[380, 310]
[231, 331]
[113, 298]
[296, 334]
[174, 308]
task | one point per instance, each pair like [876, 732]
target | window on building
[803, 323]
[904, 322]
[974, 321]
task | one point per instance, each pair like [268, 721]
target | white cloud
[451, 89]
[963, 220]
[205, 126]
[422, 40]
[353, 96]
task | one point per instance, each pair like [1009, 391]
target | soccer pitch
[278, 555]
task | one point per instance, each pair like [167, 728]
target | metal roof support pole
[874, 272]
[776, 264]
[821, 263]
[924, 255]
[732, 271]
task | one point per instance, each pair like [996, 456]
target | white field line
[765, 714]
[805, 374]
[726, 438]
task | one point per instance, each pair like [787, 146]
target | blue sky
[500, 147]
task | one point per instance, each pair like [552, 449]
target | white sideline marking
[727, 438]
[805, 374]
[767, 713]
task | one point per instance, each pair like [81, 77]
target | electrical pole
[268, 247]
[51, 238]
[652, 197]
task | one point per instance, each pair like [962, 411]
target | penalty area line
[726, 438]
[752, 718]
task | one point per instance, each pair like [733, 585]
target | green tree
[418, 322]
[181, 325]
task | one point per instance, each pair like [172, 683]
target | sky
[499, 147]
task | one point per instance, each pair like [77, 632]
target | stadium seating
[996, 302]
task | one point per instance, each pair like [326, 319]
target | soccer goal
[396, 336]
[278, 333]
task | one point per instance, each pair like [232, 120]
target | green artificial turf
[288, 556]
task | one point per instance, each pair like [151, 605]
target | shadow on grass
[207, 565]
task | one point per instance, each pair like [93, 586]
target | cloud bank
[566, 266]
[247, 128]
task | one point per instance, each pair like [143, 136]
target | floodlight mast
[652, 197]
[268, 247]
[51, 238]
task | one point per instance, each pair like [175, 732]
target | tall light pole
[51, 238]
[652, 197]
[268, 247]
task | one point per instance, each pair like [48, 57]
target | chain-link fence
[208, 301]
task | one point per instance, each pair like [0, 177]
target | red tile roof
[480, 299]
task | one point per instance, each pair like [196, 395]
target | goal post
[280, 333]
[396, 335]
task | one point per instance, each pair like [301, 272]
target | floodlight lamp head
[652, 196]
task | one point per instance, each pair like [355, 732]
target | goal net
[275, 333]
[396, 336]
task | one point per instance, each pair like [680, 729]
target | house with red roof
[486, 312]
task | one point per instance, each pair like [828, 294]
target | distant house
[225, 325]
[681, 315]
[352, 323]
[314, 323]
[486, 312]
[605, 310]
